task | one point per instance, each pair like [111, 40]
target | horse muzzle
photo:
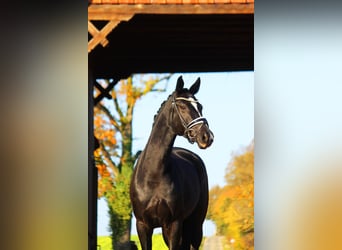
[205, 137]
[198, 131]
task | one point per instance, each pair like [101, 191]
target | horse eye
[182, 106]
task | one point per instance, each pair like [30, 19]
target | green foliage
[120, 209]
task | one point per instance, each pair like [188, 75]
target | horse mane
[159, 110]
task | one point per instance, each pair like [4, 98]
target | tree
[114, 158]
[232, 206]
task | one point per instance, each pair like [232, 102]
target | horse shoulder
[185, 155]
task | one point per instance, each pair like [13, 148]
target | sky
[228, 105]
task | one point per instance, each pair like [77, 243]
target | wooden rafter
[96, 34]
[99, 36]
[104, 92]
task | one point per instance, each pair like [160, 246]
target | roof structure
[139, 36]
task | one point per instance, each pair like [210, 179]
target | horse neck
[156, 154]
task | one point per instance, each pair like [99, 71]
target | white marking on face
[194, 104]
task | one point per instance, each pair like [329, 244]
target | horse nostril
[205, 137]
[210, 138]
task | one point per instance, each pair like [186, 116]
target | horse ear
[195, 87]
[180, 84]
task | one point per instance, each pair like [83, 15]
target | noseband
[188, 127]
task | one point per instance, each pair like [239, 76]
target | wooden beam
[108, 11]
[94, 32]
[100, 36]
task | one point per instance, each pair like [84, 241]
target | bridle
[188, 128]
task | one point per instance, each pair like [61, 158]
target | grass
[105, 242]
[157, 242]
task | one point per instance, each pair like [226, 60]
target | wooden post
[92, 170]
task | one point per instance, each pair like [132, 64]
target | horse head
[186, 115]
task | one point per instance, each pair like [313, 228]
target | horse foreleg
[196, 240]
[145, 235]
[175, 235]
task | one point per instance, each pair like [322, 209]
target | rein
[188, 127]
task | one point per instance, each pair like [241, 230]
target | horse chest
[163, 202]
[158, 211]
[156, 200]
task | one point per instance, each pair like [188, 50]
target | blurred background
[297, 120]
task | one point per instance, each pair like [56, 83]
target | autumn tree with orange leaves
[231, 207]
[113, 120]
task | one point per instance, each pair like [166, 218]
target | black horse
[169, 186]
